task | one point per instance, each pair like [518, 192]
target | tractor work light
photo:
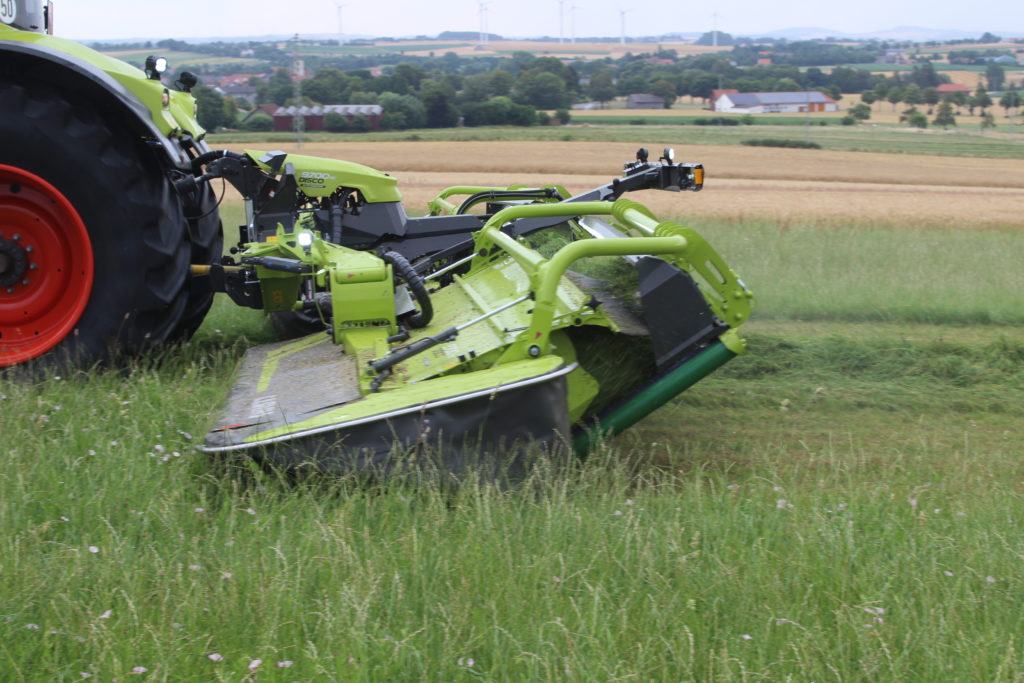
[155, 67]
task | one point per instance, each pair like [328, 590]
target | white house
[773, 102]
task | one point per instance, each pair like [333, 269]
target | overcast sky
[101, 19]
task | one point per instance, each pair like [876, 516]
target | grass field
[844, 503]
[180, 60]
[1006, 142]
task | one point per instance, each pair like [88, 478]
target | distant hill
[915, 34]
[909, 33]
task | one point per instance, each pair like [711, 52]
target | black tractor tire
[206, 245]
[89, 160]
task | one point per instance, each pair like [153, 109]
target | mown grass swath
[841, 504]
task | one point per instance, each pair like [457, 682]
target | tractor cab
[27, 15]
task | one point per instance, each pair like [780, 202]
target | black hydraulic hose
[336, 215]
[475, 199]
[203, 159]
[412, 279]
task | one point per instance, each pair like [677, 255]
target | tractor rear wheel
[94, 252]
[206, 242]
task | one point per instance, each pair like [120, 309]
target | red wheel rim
[46, 267]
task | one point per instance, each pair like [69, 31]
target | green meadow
[843, 503]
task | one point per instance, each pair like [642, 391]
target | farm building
[645, 101]
[947, 88]
[314, 117]
[773, 102]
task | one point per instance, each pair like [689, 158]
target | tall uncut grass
[843, 504]
[853, 272]
[124, 550]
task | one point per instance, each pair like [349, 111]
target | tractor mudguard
[20, 51]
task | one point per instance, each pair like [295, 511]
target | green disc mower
[504, 319]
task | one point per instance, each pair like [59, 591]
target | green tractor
[506, 318]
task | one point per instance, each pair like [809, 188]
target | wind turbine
[572, 23]
[341, 34]
[561, 21]
[622, 26]
[483, 23]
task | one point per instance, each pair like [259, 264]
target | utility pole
[298, 71]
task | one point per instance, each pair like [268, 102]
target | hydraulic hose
[414, 281]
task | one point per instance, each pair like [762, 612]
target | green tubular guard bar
[725, 293]
[660, 392]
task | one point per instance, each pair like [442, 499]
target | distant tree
[786, 85]
[437, 102]
[665, 90]
[980, 99]
[393, 120]
[917, 120]
[563, 116]
[996, 76]
[278, 89]
[702, 86]
[411, 74]
[957, 98]
[363, 97]
[335, 122]
[931, 97]
[1011, 99]
[987, 37]
[360, 124]
[987, 121]
[413, 113]
[543, 90]
[476, 88]
[912, 95]
[499, 111]
[894, 97]
[868, 97]
[861, 112]
[210, 108]
[834, 92]
[328, 86]
[259, 123]
[881, 91]
[602, 86]
[501, 82]
[944, 115]
[716, 38]
[631, 85]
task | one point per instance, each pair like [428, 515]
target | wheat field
[819, 187]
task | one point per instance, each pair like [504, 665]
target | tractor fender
[102, 88]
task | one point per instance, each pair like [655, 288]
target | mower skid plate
[297, 404]
[284, 383]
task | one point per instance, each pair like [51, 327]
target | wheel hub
[46, 266]
[14, 264]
